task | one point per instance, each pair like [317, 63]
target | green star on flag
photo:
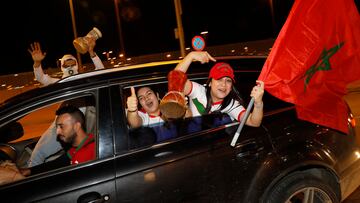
[322, 64]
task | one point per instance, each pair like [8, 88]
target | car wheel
[303, 187]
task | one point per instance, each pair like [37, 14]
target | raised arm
[37, 56]
[94, 57]
[133, 117]
[257, 114]
[201, 56]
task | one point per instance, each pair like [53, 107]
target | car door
[199, 166]
[90, 181]
[190, 160]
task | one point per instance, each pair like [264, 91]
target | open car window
[147, 136]
[156, 133]
[32, 137]
[163, 131]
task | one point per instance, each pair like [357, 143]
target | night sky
[147, 26]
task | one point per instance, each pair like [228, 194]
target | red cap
[220, 70]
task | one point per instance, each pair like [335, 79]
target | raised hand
[132, 101]
[201, 56]
[36, 53]
[258, 92]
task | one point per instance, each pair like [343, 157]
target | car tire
[302, 187]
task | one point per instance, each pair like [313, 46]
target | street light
[180, 31]
[116, 4]
[271, 4]
[74, 30]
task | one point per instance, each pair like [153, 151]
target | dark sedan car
[184, 160]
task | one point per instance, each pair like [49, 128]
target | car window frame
[151, 82]
[59, 98]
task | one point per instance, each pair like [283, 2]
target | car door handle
[93, 197]
[162, 154]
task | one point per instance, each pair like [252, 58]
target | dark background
[147, 26]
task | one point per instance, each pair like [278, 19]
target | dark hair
[233, 94]
[74, 112]
[145, 87]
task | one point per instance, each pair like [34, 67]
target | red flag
[316, 54]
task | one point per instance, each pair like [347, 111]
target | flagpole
[247, 113]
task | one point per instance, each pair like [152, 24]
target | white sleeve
[235, 110]
[97, 62]
[43, 78]
[197, 90]
[144, 117]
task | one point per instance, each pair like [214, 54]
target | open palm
[36, 53]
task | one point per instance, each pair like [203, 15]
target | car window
[153, 133]
[147, 136]
[245, 81]
[36, 122]
[32, 137]
[156, 132]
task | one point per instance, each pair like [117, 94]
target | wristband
[132, 111]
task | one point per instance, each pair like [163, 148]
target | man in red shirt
[70, 124]
[70, 128]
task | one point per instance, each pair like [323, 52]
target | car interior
[29, 128]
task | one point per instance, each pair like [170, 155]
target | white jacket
[45, 79]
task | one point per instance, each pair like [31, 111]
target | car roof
[118, 69]
[149, 66]
[84, 80]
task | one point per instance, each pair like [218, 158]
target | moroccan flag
[316, 54]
